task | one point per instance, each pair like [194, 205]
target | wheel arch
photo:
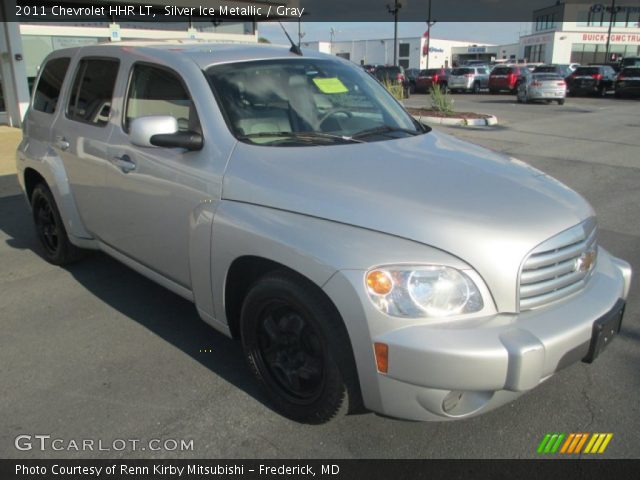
[32, 178]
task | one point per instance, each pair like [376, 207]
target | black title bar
[317, 469]
[313, 10]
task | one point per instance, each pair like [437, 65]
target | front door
[154, 191]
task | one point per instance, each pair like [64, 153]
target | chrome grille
[559, 267]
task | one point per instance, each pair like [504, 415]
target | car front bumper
[463, 368]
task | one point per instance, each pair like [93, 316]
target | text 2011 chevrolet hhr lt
[361, 258]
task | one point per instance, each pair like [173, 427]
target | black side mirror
[186, 140]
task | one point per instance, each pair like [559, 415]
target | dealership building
[562, 33]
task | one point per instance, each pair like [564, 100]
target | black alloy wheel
[50, 228]
[298, 348]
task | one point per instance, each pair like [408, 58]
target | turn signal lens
[379, 282]
[382, 356]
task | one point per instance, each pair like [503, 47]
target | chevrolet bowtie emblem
[585, 262]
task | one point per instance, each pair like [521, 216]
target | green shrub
[395, 89]
[441, 100]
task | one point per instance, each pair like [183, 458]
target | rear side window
[47, 92]
[155, 90]
[92, 91]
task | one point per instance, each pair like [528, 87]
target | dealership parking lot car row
[578, 80]
[257, 183]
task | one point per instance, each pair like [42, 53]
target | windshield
[307, 101]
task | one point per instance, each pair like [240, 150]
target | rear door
[81, 135]
[46, 105]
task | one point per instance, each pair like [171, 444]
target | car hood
[485, 208]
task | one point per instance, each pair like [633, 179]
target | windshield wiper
[384, 129]
[302, 136]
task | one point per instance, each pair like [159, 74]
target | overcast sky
[498, 33]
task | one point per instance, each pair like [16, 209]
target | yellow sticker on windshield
[330, 85]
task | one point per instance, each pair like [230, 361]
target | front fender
[317, 249]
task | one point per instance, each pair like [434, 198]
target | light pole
[394, 11]
[300, 32]
[612, 16]
[429, 25]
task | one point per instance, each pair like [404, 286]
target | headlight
[427, 291]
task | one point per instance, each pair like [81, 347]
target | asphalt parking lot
[98, 351]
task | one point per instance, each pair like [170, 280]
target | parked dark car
[412, 76]
[563, 70]
[627, 83]
[369, 68]
[393, 75]
[630, 62]
[430, 77]
[507, 78]
[594, 79]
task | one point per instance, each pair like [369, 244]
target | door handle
[124, 163]
[62, 143]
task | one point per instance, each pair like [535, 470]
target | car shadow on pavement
[167, 315]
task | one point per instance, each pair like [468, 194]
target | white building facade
[562, 33]
[578, 33]
[412, 52]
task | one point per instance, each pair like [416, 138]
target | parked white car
[360, 258]
[546, 87]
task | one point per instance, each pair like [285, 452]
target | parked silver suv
[469, 79]
[361, 259]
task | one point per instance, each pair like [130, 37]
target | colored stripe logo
[574, 443]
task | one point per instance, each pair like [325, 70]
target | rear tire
[297, 347]
[560, 102]
[50, 230]
[476, 88]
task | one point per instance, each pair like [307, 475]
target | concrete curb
[461, 122]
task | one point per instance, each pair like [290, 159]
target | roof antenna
[294, 48]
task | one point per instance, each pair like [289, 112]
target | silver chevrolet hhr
[362, 259]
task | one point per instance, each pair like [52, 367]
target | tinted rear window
[92, 91]
[545, 68]
[433, 71]
[502, 70]
[46, 96]
[632, 72]
[461, 71]
[546, 76]
[587, 70]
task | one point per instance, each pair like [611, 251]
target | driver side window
[154, 90]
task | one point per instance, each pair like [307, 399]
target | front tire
[50, 230]
[298, 348]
